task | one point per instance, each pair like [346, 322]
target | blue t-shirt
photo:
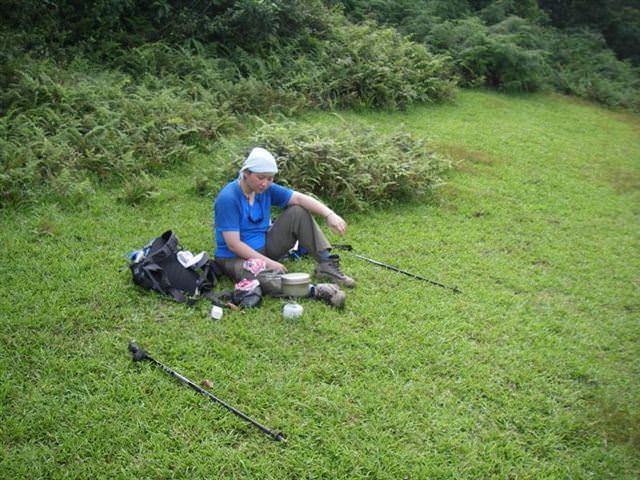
[232, 213]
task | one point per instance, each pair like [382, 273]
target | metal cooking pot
[295, 284]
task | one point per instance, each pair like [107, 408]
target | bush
[499, 10]
[78, 109]
[509, 55]
[249, 24]
[96, 124]
[247, 85]
[365, 66]
[138, 188]
[355, 66]
[585, 68]
[349, 167]
[508, 44]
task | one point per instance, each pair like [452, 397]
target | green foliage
[96, 124]
[500, 10]
[254, 25]
[247, 84]
[354, 66]
[382, 11]
[365, 66]
[617, 20]
[586, 69]
[351, 168]
[508, 56]
[111, 88]
[623, 33]
[72, 187]
[507, 44]
[137, 188]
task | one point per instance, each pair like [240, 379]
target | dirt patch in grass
[619, 426]
[623, 180]
[461, 154]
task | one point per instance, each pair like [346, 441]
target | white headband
[260, 161]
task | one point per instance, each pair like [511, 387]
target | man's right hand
[276, 266]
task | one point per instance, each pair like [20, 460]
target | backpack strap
[151, 272]
[179, 296]
[208, 276]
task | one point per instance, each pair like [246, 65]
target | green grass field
[532, 372]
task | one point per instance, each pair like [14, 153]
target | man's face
[259, 182]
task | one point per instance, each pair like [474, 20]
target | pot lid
[295, 278]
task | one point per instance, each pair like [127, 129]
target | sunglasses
[255, 216]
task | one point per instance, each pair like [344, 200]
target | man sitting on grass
[246, 239]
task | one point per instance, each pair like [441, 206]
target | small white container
[292, 310]
[216, 312]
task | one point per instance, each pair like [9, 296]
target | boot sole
[335, 280]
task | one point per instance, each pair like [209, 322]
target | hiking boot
[330, 293]
[247, 298]
[330, 270]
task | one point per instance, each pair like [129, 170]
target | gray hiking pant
[294, 224]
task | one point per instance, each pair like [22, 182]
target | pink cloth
[246, 285]
[254, 265]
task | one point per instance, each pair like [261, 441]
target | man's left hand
[336, 223]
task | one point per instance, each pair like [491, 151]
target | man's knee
[296, 211]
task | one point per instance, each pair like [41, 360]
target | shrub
[137, 188]
[79, 110]
[95, 124]
[499, 10]
[585, 68]
[351, 168]
[354, 66]
[509, 55]
[249, 24]
[508, 44]
[365, 66]
[247, 85]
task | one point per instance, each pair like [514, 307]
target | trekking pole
[349, 248]
[139, 354]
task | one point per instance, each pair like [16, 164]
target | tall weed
[138, 106]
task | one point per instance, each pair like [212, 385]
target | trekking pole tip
[137, 353]
[277, 437]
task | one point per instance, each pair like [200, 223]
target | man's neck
[245, 189]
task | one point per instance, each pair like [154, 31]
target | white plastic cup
[292, 310]
[216, 312]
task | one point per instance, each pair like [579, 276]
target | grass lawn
[532, 372]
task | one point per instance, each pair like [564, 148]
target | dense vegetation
[94, 93]
[588, 49]
[102, 91]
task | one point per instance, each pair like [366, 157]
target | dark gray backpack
[156, 267]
